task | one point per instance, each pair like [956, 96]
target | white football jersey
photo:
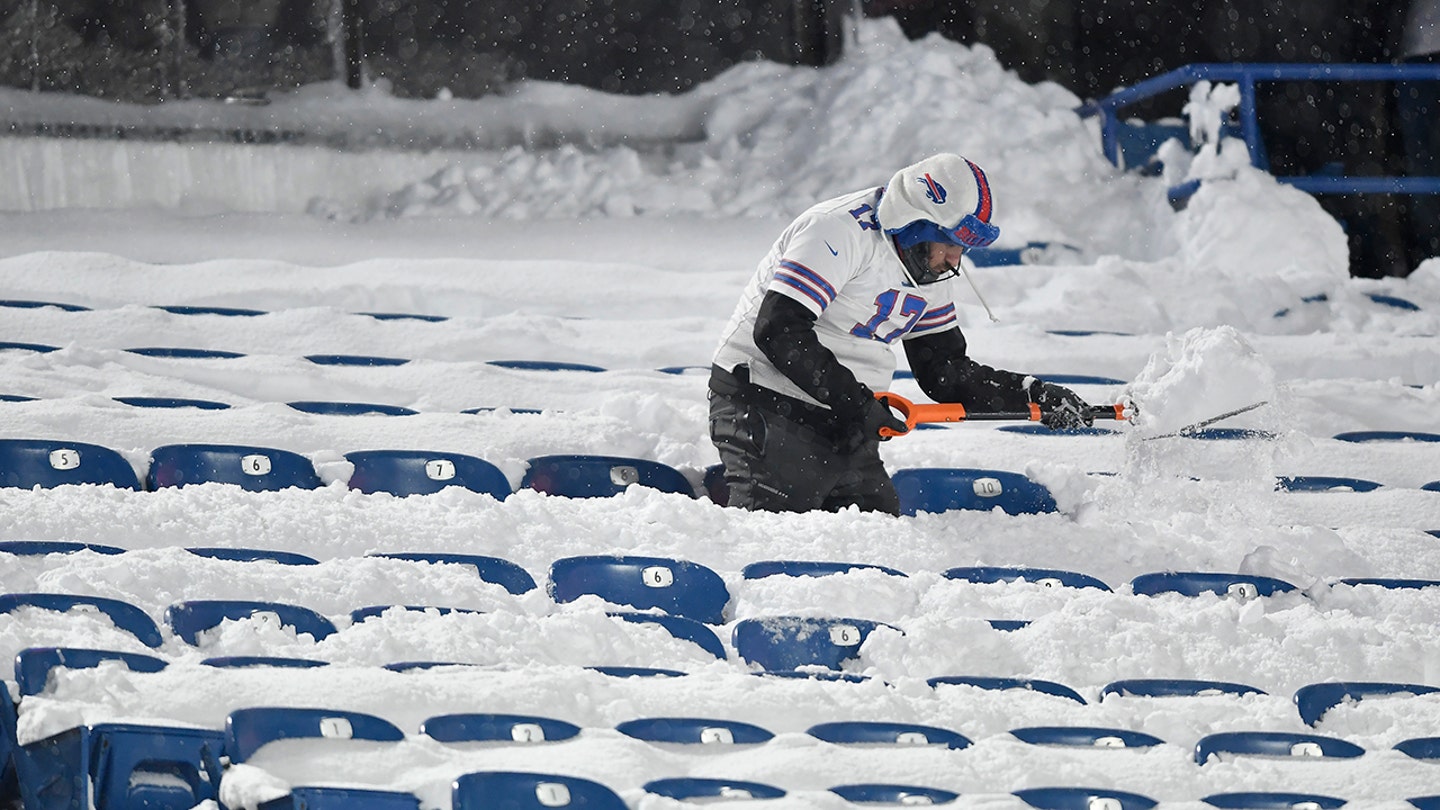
[835, 259]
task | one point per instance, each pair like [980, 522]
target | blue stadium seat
[681, 628]
[257, 469]
[359, 615]
[586, 476]
[878, 793]
[500, 572]
[354, 360]
[1049, 577]
[9, 718]
[323, 408]
[508, 790]
[1001, 684]
[17, 398]
[525, 728]
[1431, 486]
[419, 666]
[1086, 737]
[125, 616]
[1175, 687]
[1387, 436]
[636, 672]
[714, 486]
[342, 798]
[694, 730]
[277, 661]
[691, 788]
[19, 304]
[121, 766]
[182, 353]
[172, 402]
[247, 730]
[33, 664]
[405, 316]
[1257, 800]
[1036, 429]
[1080, 379]
[231, 312]
[1425, 802]
[1273, 744]
[25, 548]
[1420, 748]
[1008, 625]
[678, 587]
[938, 489]
[1313, 700]
[1084, 798]
[493, 408]
[1392, 583]
[39, 348]
[46, 463]
[1227, 434]
[189, 619]
[1324, 483]
[252, 555]
[543, 365]
[809, 568]
[1195, 583]
[421, 472]
[880, 733]
[812, 675]
[790, 642]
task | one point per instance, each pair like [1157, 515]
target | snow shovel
[914, 413]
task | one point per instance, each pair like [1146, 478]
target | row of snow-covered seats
[684, 589]
[30, 463]
[53, 772]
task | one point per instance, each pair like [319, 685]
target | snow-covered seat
[504, 573]
[1273, 744]
[780, 643]
[191, 618]
[34, 664]
[257, 469]
[481, 727]
[511, 790]
[1049, 577]
[702, 789]
[46, 463]
[250, 729]
[591, 476]
[422, 472]
[1084, 798]
[694, 731]
[124, 615]
[1315, 699]
[860, 732]
[941, 489]
[121, 766]
[678, 587]
[328, 797]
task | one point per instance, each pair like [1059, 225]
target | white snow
[627, 248]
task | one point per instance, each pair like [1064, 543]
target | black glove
[1060, 408]
[866, 427]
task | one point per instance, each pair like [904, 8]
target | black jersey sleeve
[946, 373]
[785, 334]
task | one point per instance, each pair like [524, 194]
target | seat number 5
[911, 308]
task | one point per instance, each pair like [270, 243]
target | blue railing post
[1246, 76]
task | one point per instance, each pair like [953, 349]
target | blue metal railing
[1246, 75]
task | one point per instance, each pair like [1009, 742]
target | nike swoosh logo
[833, 251]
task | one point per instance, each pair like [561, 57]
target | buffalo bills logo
[933, 189]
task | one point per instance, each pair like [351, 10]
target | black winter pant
[775, 464]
